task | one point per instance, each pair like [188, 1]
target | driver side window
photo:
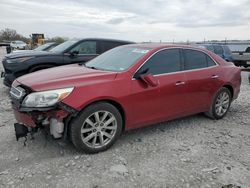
[165, 61]
[86, 47]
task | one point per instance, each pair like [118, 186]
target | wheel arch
[230, 88]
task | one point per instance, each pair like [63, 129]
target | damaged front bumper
[55, 119]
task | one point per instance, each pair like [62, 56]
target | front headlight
[46, 98]
[19, 60]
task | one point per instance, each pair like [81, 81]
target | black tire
[80, 120]
[212, 111]
[37, 68]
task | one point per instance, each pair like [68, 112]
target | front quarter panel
[116, 90]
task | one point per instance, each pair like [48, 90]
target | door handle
[215, 77]
[180, 83]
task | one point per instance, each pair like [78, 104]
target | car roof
[106, 39]
[165, 45]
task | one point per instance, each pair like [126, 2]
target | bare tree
[11, 34]
[58, 39]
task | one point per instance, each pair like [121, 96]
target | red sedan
[125, 88]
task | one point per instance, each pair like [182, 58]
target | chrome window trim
[182, 71]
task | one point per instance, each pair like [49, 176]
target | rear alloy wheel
[97, 128]
[221, 104]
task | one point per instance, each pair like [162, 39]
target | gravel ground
[189, 152]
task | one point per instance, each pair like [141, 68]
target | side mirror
[150, 80]
[74, 53]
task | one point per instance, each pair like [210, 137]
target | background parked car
[45, 47]
[17, 44]
[242, 58]
[221, 50]
[125, 88]
[69, 52]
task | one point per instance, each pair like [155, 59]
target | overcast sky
[137, 20]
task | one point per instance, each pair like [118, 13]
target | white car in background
[17, 44]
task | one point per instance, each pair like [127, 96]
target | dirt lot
[189, 152]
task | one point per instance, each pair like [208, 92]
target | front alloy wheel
[96, 128]
[99, 129]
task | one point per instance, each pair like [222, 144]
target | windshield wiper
[91, 67]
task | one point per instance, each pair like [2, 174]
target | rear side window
[210, 62]
[107, 45]
[194, 59]
[165, 61]
[218, 49]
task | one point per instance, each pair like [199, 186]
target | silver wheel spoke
[107, 134]
[104, 116]
[97, 118]
[220, 110]
[88, 121]
[110, 127]
[225, 96]
[225, 102]
[109, 121]
[87, 130]
[89, 137]
[94, 141]
[101, 139]
[217, 105]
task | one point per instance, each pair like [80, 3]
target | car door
[166, 100]
[202, 80]
[82, 52]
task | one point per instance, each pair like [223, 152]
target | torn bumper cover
[53, 118]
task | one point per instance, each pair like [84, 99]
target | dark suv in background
[69, 52]
[45, 47]
[221, 50]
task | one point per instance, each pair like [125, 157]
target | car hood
[22, 51]
[64, 76]
[29, 54]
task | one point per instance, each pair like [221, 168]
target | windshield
[18, 42]
[62, 47]
[42, 47]
[117, 59]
